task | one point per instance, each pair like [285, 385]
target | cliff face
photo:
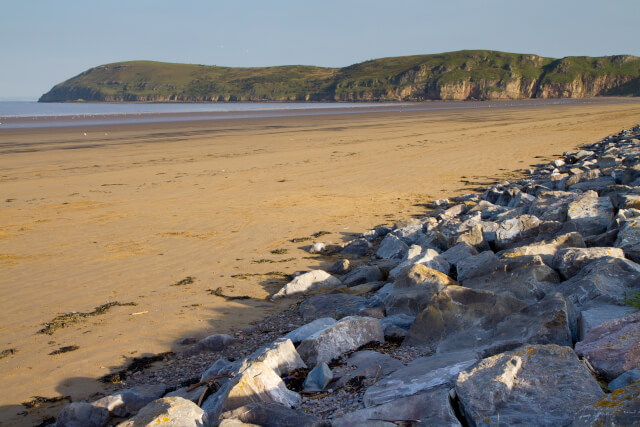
[465, 75]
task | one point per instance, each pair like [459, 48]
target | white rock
[316, 279]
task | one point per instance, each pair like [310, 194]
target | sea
[32, 114]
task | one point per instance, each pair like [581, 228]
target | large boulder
[213, 343]
[171, 412]
[279, 355]
[460, 318]
[620, 408]
[253, 382]
[613, 347]
[305, 331]
[542, 385]
[421, 375]
[357, 248]
[525, 277]
[313, 280]
[458, 252]
[392, 247]
[547, 249]
[131, 400]
[346, 335]
[596, 316]
[362, 275]
[604, 281]
[512, 232]
[333, 305]
[552, 205]
[413, 289]
[629, 239]
[272, 415]
[569, 261]
[369, 364]
[428, 409]
[397, 325]
[82, 414]
[476, 265]
[624, 379]
[591, 214]
[425, 256]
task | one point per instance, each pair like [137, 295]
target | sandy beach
[158, 216]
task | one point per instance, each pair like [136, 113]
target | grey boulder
[547, 249]
[332, 305]
[369, 364]
[304, 331]
[613, 347]
[421, 375]
[348, 334]
[361, 275]
[397, 325]
[620, 408]
[392, 247]
[358, 247]
[624, 379]
[569, 261]
[312, 280]
[171, 412]
[525, 387]
[82, 414]
[130, 401]
[413, 289]
[272, 415]
[428, 409]
[629, 239]
[591, 214]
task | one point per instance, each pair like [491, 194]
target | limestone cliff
[464, 75]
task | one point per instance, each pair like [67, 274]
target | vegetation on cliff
[456, 76]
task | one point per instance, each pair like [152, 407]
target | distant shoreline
[95, 117]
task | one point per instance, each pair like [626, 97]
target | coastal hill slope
[462, 75]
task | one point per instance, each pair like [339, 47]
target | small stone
[318, 378]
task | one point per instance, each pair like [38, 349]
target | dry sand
[125, 212]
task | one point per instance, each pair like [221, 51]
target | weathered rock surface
[82, 414]
[591, 214]
[369, 364]
[361, 275]
[624, 379]
[216, 342]
[413, 289]
[357, 247]
[313, 280]
[613, 347]
[525, 277]
[397, 325]
[458, 252]
[336, 306]
[547, 249]
[543, 385]
[477, 265]
[460, 318]
[604, 281]
[512, 232]
[569, 261]
[303, 332]
[130, 401]
[273, 415]
[428, 257]
[280, 356]
[419, 376]
[169, 411]
[629, 239]
[253, 382]
[392, 247]
[431, 409]
[589, 319]
[620, 408]
[348, 334]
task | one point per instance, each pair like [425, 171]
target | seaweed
[8, 352]
[37, 401]
[64, 349]
[137, 364]
[218, 292]
[279, 251]
[186, 281]
[64, 320]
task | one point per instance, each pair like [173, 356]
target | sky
[44, 42]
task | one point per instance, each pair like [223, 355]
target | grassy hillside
[454, 75]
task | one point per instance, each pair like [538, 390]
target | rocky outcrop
[474, 337]
[463, 75]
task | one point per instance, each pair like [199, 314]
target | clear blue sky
[43, 42]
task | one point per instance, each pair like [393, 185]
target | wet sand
[126, 213]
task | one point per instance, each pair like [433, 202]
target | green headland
[462, 75]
